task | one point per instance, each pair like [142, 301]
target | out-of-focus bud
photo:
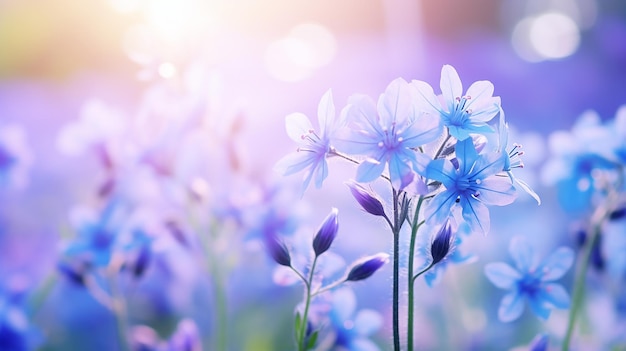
[73, 274]
[440, 247]
[277, 250]
[368, 201]
[618, 214]
[365, 267]
[327, 233]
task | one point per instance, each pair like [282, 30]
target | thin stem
[302, 333]
[597, 220]
[443, 145]
[334, 152]
[416, 224]
[396, 273]
[118, 305]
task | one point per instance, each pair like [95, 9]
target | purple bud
[440, 247]
[327, 233]
[370, 203]
[278, 250]
[618, 214]
[142, 261]
[365, 267]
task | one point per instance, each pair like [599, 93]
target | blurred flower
[365, 267]
[15, 157]
[472, 185]
[185, 338]
[327, 233]
[461, 114]
[350, 331]
[314, 149]
[388, 133]
[577, 156]
[540, 343]
[16, 332]
[530, 281]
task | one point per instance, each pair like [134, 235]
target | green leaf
[312, 340]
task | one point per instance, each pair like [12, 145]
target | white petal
[450, 85]
[297, 125]
[326, 113]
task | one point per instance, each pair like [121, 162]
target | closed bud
[368, 201]
[440, 247]
[365, 267]
[539, 343]
[327, 233]
[278, 250]
[618, 214]
[73, 274]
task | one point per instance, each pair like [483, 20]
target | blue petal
[369, 170]
[395, 104]
[440, 207]
[496, 191]
[466, 154]
[476, 214]
[502, 275]
[522, 253]
[555, 295]
[400, 172]
[321, 172]
[443, 171]
[326, 113]
[557, 264]
[511, 307]
[539, 308]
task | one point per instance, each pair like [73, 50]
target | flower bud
[618, 214]
[539, 343]
[327, 233]
[73, 274]
[440, 247]
[278, 250]
[365, 267]
[368, 201]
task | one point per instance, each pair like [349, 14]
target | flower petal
[511, 307]
[293, 163]
[479, 92]
[450, 85]
[369, 170]
[400, 172]
[476, 214]
[344, 304]
[326, 113]
[502, 275]
[466, 154]
[557, 264]
[425, 98]
[440, 207]
[539, 308]
[496, 191]
[522, 253]
[395, 105]
[297, 125]
[442, 171]
[556, 295]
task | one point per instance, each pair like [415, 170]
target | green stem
[414, 229]
[302, 333]
[396, 273]
[118, 305]
[597, 220]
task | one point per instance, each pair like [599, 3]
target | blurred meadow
[159, 123]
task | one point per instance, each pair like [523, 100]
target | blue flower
[351, 331]
[575, 156]
[314, 147]
[462, 114]
[96, 238]
[512, 158]
[16, 332]
[530, 281]
[388, 134]
[15, 156]
[472, 185]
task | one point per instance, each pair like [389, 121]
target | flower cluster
[438, 154]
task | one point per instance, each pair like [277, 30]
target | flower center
[460, 114]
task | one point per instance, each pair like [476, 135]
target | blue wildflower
[314, 147]
[512, 158]
[472, 185]
[530, 281]
[540, 343]
[462, 114]
[576, 154]
[388, 134]
[96, 238]
[327, 233]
